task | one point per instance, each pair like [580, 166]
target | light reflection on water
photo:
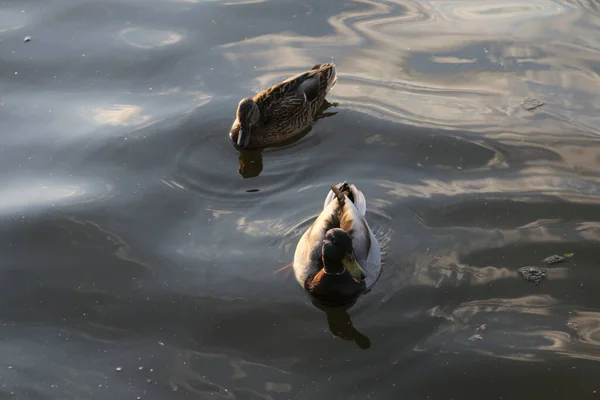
[135, 235]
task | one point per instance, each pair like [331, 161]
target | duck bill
[244, 136]
[353, 267]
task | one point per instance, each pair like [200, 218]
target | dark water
[137, 262]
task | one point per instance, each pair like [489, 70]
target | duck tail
[339, 194]
[328, 73]
[346, 189]
[341, 191]
[331, 76]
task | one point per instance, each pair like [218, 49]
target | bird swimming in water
[338, 258]
[284, 110]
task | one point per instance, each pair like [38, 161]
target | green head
[338, 255]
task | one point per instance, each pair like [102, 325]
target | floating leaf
[568, 255]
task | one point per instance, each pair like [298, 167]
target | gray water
[140, 248]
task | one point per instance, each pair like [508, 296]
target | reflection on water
[130, 239]
[574, 338]
[120, 115]
[147, 38]
[341, 325]
[250, 163]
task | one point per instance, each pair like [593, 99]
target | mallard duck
[283, 110]
[338, 257]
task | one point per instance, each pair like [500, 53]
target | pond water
[140, 248]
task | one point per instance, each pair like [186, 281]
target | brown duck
[283, 110]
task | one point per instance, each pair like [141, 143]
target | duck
[284, 110]
[338, 257]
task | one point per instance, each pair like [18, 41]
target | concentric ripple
[140, 249]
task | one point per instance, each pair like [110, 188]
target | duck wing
[307, 258]
[352, 220]
[283, 100]
[358, 198]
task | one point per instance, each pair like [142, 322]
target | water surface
[139, 246]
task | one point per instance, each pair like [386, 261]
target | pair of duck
[338, 257]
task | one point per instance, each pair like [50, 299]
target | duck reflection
[322, 110]
[341, 325]
[250, 163]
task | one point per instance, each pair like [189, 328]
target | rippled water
[140, 247]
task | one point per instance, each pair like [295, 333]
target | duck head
[338, 255]
[247, 115]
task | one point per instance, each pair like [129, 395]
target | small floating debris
[533, 274]
[475, 337]
[573, 325]
[118, 369]
[27, 39]
[555, 259]
[481, 328]
[531, 103]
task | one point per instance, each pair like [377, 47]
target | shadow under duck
[338, 258]
[282, 111]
